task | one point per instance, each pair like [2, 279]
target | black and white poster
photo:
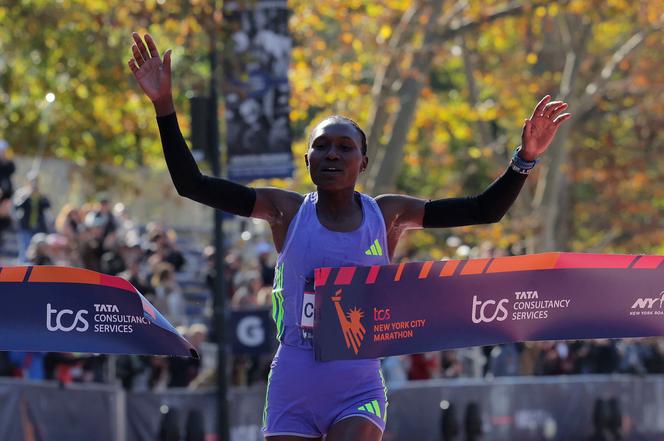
[256, 90]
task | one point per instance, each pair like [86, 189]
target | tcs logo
[60, 320]
[381, 314]
[487, 312]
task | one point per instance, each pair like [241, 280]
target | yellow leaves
[500, 41]
[82, 91]
[384, 33]
[346, 69]
[357, 45]
[638, 180]
[621, 5]
[487, 112]
[531, 58]
[347, 38]
[540, 11]
[297, 53]
[579, 6]
[171, 25]
[474, 153]
[374, 9]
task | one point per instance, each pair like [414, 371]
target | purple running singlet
[306, 397]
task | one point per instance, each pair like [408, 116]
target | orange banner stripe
[345, 275]
[116, 282]
[64, 275]
[448, 268]
[373, 274]
[321, 275]
[397, 277]
[13, 274]
[524, 263]
[474, 266]
[648, 262]
[424, 273]
[582, 260]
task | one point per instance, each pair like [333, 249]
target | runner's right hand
[153, 75]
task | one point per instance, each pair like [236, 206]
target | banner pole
[220, 295]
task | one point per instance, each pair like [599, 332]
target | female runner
[330, 227]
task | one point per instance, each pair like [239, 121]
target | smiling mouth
[331, 170]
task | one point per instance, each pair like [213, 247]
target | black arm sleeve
[190, 183]
[485, 208]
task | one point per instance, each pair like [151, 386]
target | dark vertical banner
[256, 58]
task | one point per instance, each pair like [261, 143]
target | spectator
[394, 370]
[246, 297]
[6, 366]
[128, 369]
[164, 250]
[504, 360]
[32, 213]
[654, 355]
[184, 370]
[133, 275]
[92, 242]
[124, 224]
[38, 251]
[264, 251]
[450, 365]
[168, 294]
[68, 224]
[7, 169]
[422, 366]
[28, 365]
[111, 261]
[105, 216]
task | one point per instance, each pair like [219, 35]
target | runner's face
[335, 156]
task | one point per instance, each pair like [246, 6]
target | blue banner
[58, 309]
[369, 312]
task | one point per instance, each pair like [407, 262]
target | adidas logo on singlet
[375, 249]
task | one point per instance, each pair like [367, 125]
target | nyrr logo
[487, 311]
[649, 302]
[350, 322]
[61, 322]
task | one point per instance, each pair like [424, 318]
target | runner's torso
[310, 245]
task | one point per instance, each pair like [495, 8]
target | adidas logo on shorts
[371, 407]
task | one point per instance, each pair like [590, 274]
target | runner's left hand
[541, 127]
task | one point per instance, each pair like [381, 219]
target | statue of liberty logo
[350, 322]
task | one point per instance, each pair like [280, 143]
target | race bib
[308, 307]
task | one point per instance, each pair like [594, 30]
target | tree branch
[599, 84]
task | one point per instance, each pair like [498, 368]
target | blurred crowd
[102, 236]
[625, 356]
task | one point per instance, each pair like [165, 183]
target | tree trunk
[382, 177]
